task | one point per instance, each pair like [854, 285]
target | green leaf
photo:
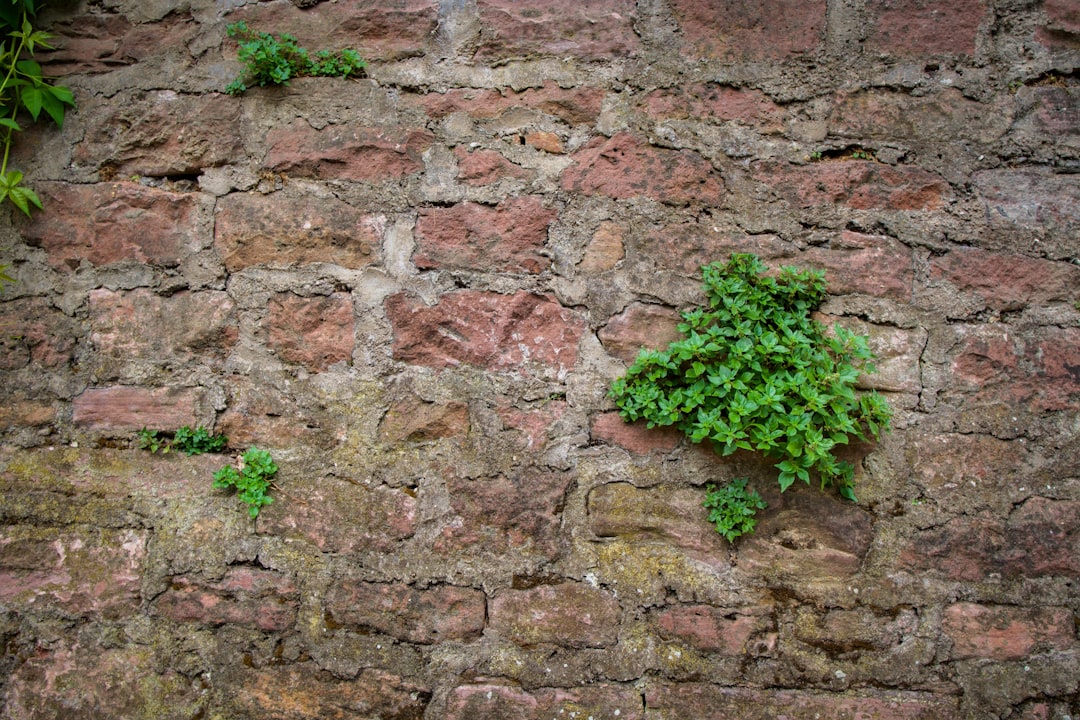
[32, 99]
[23, 197]
[9, 123]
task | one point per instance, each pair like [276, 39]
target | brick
[1007, 282]
[126, 409]
[302, 692]
[341, 515]
[1005, 632]
[748, 30]
[569, 614]
[412, 419]
[140, 325]
[924, 27]
[508, 237]
[572, 105]
[556, 27]
[484, 521]
[316, 332]
[622, 167]
[609, 427]
[346, 152]
[717, 103]
[392, 30]
[893, 115]
[109, 223]
[247, 596]
[605, 249]
[520, 332]
[437, 614]
[253, 229]
[92, 572]
[667, 701]
[669, 513]
[484, 167]
[163, 133]
[637, 327]
[32, 331]
[486, 701]
[711, 629]
[858, 184]
[64, 683]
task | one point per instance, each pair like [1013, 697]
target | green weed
[276, 59]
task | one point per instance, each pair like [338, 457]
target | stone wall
[415, 288]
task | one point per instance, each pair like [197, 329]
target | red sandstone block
[751, 29]
[246, 596]
[1006, 632]
[164, 132]
[893, 115]
[253, 229]
[711, 629]
[602, 28]
[411, 419]
[78, 572]
[485, 522]
[1007, 282]
[499, 332]
[637, 327]
[536, 425]
[1063, 24]
[260, 414]
[855, 262]
[503, 702]
[609, 427]
[112, 222]
[623, 167]
[506, 238]
[127, 409]
[862, 185]
[925, 27]
[715, 103]
[1031, 199]
[431, 615]
[605, 249]
[484, 167]
[315, 332]
[573, 105]
[346, 152]
[31, 331]
[569, 614]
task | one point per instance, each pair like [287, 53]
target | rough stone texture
[414, 288]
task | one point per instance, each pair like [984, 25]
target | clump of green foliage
[756, 372]
[188, 440]
[275, 59]
[252, 478]
[23, 88]
[732, 508]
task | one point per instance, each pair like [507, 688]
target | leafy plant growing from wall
[252, 478]
[276, 59]
[756, 372]
[23, 89]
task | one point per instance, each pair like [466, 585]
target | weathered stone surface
[717, 103]
[113, 222]
[414, 420]
[950, 466]
[484, 520]
[669, 513]
[637, 327]
[897, 354]
[605, 249]
[547, 141]
[945, 113]
[856, 262]
[144, 326]
[503, 702]
[341, 515]
[734, 31]
[77, 572]
[346, 152]
[508, 237]
[31, 331]
[919, 27]
[100, 43]
[1032, 200]
[715, 630]
[436, 614]
[260, 414]
[858, 184]
[276, 230]
[1006, 632]
[315, 332]
[126, 409]
[529, 27]
[571, 105]
[160, 133]
[484, 167]
[1007, 282]
[685, 700]
[623, 167]
[846, 631]
[636, 437]
[570, 614]
[246, 595]
[536, 425]
[301, 692]
[499, 332]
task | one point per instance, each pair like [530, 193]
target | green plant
[275, 59]
[190, 441]
[252, 478]
[756, 372]
[732, 508]
[23, 88]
